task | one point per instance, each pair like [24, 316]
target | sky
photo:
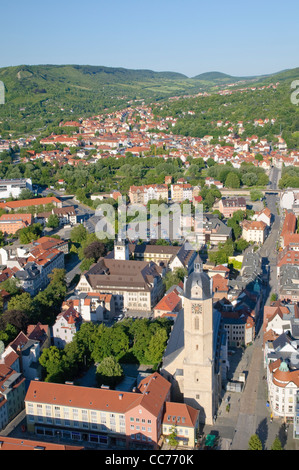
[240, 38]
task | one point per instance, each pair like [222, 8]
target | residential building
[11, 223]
[171, 303]
[92, 306]
[264, 216]
[66, 325]
[12, 394]
[288, 228]
[28, 348]
[66, 215]
[144, 194]
[228, 206]
[254, 231]
[289, 283]
[181, 192]
[13, 443]
[183, 420]
[211, 231]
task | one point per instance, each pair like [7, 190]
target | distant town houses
[31, 265]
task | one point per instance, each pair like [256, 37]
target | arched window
[196, 323]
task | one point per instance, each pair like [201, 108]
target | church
[192, 360]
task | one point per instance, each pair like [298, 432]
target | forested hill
[38, 95]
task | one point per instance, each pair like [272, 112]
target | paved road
[249, 413]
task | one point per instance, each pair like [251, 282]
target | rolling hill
[39, 95]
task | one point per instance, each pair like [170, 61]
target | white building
[14, 187]
[65, 327]
[254, 231]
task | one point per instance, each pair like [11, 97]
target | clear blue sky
[186, 36]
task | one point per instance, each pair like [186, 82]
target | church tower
[121, 249]
[199, 375]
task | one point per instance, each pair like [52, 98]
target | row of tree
[137, 341]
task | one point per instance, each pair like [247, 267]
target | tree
[276, 444]
[28, 234]
[15, 318]
[109, 372]
[255, 195]
[232, 181]
[173, 278]
[51, 361]
[78, 234]
[23, 303]
[157, 346]
[53, 221]
[95, 250]
[255, 443]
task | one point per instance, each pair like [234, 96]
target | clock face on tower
[196, 308]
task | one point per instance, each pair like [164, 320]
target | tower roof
[198, 284]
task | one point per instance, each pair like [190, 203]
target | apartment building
[146, 193]
[11, 223]
[12, 393]
[181, 192]
[131, 420]
[228, 206]
[92, 306]
[66, 325]
[254, 231]
[183, 420]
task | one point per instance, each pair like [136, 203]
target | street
[248, 412]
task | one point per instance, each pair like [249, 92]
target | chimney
[120, 396]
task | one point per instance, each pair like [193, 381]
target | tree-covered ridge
[38, 95]
[273, 103]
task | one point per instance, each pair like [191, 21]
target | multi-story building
[66, 325]
[144, 194]
[254, 231]
[11, 223]
[93, 306]
[34, 204]
[14, 187]
[12, 393]
[101, 416]
[228, 206]
[183, 421]
[135, 285]
[181, 192]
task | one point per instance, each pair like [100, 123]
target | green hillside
[41, 95]
[38, 95]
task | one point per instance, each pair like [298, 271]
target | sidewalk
[248, 412]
